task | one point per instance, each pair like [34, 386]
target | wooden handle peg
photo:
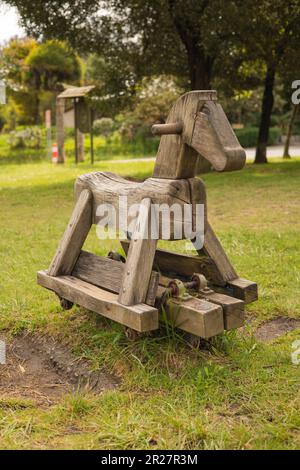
[165, 129]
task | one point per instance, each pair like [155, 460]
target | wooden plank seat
[108, 188]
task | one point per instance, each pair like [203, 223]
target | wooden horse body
[202, 294]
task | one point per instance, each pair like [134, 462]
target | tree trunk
[286, 153]
[265, 120]
[60, 108]
[200, 67]
[200, 64]
[80, 145]
[37, 109]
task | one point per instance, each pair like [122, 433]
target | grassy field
[238, 394]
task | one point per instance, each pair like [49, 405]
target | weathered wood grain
[139, 262]
[140, 317]
[197, 316]
[176, 158]
[74, 236]
[233, 309]
[108, 188]
[169, 262]
[243, 289]
[107, 273]
[214, 139]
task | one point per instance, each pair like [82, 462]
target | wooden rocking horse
[200, 294]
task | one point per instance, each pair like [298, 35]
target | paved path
[275, 151]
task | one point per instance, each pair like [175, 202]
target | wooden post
[139, 261]
[91, 135]
[75, 129]
[80, 145]
[74, 236]
[60, 108]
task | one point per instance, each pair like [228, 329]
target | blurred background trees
[141, 54]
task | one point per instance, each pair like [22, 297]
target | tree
[286, 151]
[12, 66]
[32, 72]
[156, 36]
[47, 66]
[264, 31]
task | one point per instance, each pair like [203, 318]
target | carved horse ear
[201, 123]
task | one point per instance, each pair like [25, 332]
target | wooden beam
[169, 262]
[74, 236]
[196, 316]
[107, 273]
[139, 262]
[140, 317]
[242, 289]
[233, 309]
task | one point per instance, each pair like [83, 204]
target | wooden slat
[140, 317]
[169, 262]
[139, 262]
[74, 236]
[196, 316]
[107, 273]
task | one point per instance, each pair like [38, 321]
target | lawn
[240, 393]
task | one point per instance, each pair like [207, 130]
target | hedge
[248, 136]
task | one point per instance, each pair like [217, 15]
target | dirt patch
[40, 369]
[275, 328]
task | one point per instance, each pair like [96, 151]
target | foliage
[248, 136]
[154, 98]
[25, 138]
[50, 63]
[103, 126]
[33, 73]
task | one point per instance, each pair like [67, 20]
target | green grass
[239, 394]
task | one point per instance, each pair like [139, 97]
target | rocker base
[140, 317]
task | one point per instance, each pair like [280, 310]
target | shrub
[249, 135]
[26, 138]
[103, 126]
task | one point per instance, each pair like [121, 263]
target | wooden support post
[139, 261]
[80, 145]
[75, 129]
[74, 236]
[214, 250]
[60, 108]
[92, 135]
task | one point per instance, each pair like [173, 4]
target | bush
[103, 126]
[248, 136]
[26, 138]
